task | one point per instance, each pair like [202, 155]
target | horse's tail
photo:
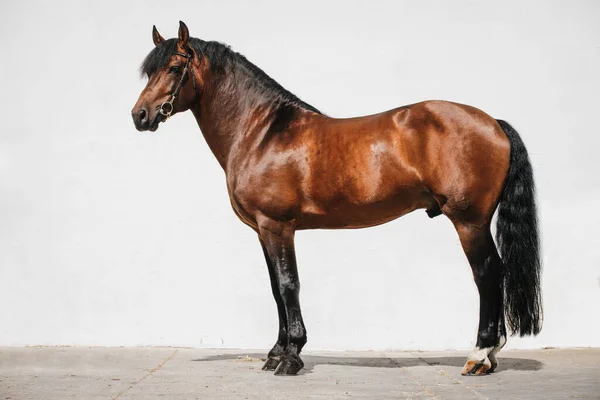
[518, 241]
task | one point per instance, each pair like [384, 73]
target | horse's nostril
[142, 114]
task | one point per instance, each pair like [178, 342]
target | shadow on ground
[506, 363]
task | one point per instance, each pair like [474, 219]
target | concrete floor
[175, 373]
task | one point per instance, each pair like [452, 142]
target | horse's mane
[221, 59]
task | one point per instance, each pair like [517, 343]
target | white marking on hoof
[478, 362]
[495, 350]
[479, 354]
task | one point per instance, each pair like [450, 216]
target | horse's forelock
[158, 57]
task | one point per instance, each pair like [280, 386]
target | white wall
[113, 237]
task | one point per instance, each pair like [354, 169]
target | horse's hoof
[289, 365]
[473, 368]
[271, 363]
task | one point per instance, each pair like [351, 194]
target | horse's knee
[288, 288]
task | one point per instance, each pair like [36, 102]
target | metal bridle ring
[166, 108]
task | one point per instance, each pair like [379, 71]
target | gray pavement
[180, 373]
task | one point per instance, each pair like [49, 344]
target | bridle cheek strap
[166, 108]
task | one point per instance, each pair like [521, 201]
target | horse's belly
[345, 213]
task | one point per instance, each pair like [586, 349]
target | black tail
[518, 241]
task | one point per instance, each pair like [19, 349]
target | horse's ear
[184, 34]
[156, 38]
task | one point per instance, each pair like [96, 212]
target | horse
[290, 167]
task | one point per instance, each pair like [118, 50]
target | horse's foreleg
[278, 239]
[274, 356]
[485, 263]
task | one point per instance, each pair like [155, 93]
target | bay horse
[290, 167]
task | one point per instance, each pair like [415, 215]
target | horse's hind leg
[274, 356]
[485, 263]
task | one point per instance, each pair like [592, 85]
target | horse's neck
[227, 110]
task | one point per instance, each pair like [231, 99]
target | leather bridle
[166, 108]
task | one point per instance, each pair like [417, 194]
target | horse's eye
[174, 70]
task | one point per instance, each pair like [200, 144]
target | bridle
[166, 108]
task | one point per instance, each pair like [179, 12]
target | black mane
[221, 57]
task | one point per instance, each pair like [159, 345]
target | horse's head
[172, 82]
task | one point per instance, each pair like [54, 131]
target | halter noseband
[166, 108]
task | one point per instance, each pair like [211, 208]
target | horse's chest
[260, 192]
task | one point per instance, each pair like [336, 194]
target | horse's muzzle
[141, 118]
